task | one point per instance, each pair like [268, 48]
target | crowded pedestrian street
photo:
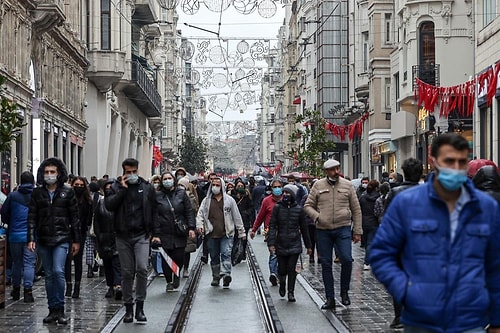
[370, 310]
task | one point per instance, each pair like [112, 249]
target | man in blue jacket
[436, 250]
[15, 213]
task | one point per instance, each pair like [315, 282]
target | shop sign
[376, 158]
[386, 147]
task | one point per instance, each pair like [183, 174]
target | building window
[271, 137]
[388, 94]
[105, 25]
[366, 51]
[388, 28]
[396, 90]
[164, 15]
[427, 54]
[489, 11]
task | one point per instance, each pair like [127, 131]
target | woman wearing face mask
[156, 181]
[287, 225]
[245, 205]
[264, 215]
[229, 188]
[173, 205]
[82, 193]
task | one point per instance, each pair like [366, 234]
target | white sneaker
[366, 267]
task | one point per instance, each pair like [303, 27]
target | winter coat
[15, 213]
[246, 208]
[367, 204]
[334, 206]
[444, 286]
[104, 230]
[53, 221]
[164, 222]
[398, 189]
[85, 216]
[115, 201]
[487, 179]
[287, 225]
[257, 194]
[232, 216]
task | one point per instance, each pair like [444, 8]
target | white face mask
[216, 190]
[50, 179]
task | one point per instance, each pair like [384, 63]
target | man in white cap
[334, 206]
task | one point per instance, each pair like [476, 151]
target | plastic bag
[238, 252]
[98, 260]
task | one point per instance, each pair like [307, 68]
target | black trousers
[112, 271]
[286, 268]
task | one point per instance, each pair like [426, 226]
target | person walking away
[133, 201]
[104, 228]
[54, 228]
[192, 244]
[245, 206]
[173, 207]
[286, 227]
[14, 213]
[379, 209]
[436, 250]
[264, 215]
[84, 200]
[334, 206]
[369, 220]
[487, 180]
[302, 190]
[311, 226]
[218, 219]
[412, 171]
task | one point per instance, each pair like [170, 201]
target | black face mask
[78, 190]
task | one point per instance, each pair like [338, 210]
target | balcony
[144, 12]
[47, 15]
[142, 91]
[427, 73]
[106, 68]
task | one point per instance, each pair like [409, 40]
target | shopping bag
[170, 262]
[238, 252]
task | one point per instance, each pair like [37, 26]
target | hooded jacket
[287, 225]
[443, 285]
[15, 213]
[53, 220]
[232, 216]
[487, 179]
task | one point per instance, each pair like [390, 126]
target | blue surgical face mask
[168, 183]
[277, 191]
[451, 179]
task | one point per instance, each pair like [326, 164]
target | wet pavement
[370, 311]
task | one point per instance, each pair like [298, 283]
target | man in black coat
[53, 224]
[133, 200]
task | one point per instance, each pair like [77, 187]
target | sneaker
[185, 273]
[118, 293]
[170, 286]
[366, 267]
[396, 324]
[273, 279]
[337, 260]
[226, 281]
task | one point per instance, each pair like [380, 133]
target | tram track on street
[268, 314]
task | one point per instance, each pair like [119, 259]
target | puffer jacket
[15, 213]
[367, 204]
[104, 230]
[115, 201]
[53, 221]
[487, 179]
[443, 286]
[245, 205]
[287, 225]
[164, 222]
[333, 207]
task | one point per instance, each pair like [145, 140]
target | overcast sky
[233, 25]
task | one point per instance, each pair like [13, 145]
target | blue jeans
[54, 259]
[370, 234]
[325, 241]
[23, 265]
[273, 263]
[220, 254]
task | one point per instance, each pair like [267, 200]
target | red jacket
[265, 211]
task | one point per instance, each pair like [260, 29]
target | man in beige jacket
[334, 206]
